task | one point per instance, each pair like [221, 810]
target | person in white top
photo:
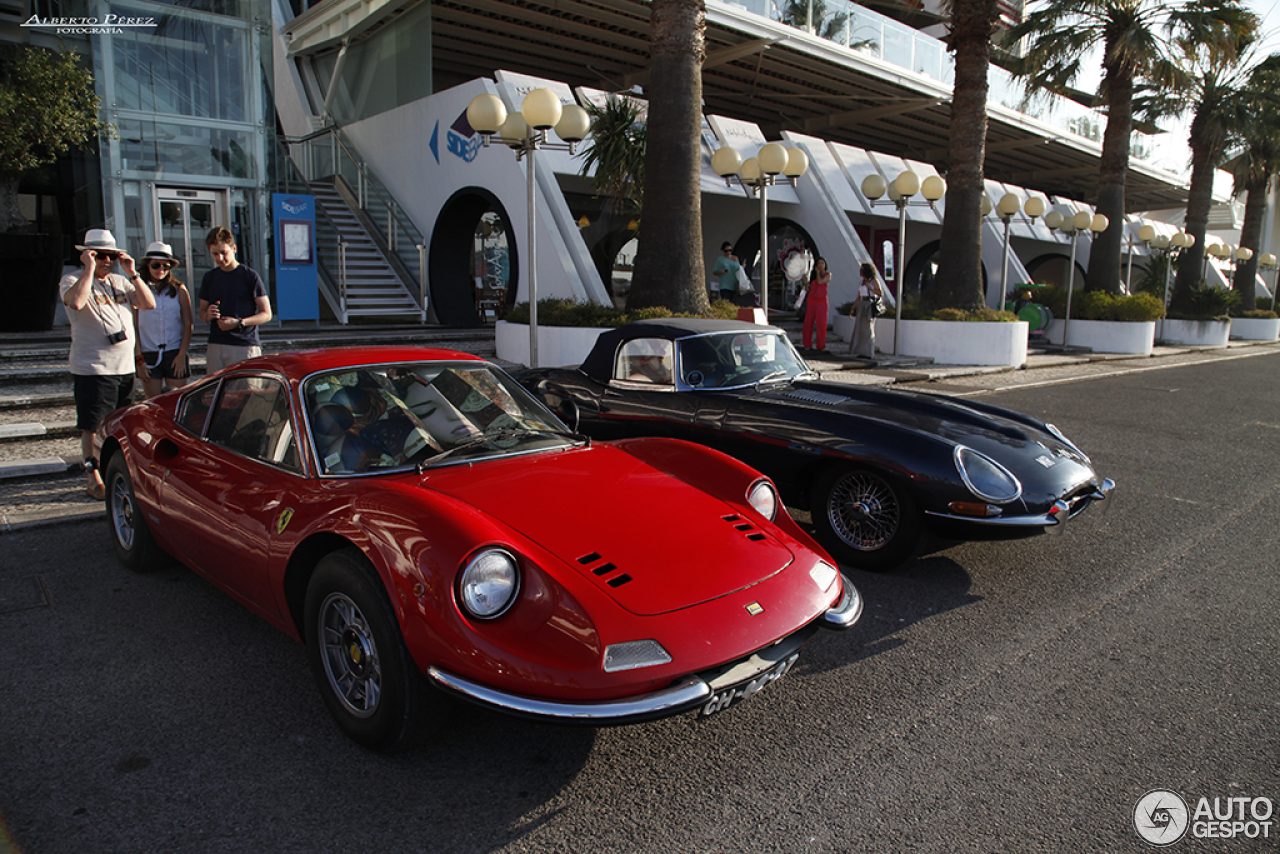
[164, 335]
[98, 305]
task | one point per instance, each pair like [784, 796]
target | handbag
[744, 284]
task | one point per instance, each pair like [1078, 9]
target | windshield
[736, 359]
[389, 417]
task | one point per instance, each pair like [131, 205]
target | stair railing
[327, 153]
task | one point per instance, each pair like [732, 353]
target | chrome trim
[846, 612]
[684, 694]
[956, 455]
[1053, 521]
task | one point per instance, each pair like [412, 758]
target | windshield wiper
[495, 436]
[781, 372]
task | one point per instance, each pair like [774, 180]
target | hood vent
[739, 524]
[811, 396]
[604, 569]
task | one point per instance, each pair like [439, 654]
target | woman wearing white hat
[98, 305]
[164, 335]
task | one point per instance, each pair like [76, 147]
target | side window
[195, 409]
[252, 419]
[645, 360]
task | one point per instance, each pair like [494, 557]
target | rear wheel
[365, 674]
[135, 547]
[867, 521]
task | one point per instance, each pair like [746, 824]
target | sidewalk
[51, 491]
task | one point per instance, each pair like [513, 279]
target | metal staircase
[368, 281]
[372, 256]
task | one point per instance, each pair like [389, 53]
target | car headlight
[489, 584]
[985, 477]
[763, 497]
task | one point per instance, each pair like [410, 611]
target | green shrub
[1100, 305]
[1204, 303]
[976, 315]
[1256, 314]
[556, 311]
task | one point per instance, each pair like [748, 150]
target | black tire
[866, 520]
[367, 678]
[135, 547]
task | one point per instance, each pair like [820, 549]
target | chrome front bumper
[1052, 522]
[685, 694]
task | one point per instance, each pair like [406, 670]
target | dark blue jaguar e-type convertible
[877, 468]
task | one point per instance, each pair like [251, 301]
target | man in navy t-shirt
[233, 301]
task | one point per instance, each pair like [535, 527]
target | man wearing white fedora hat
[99, 306]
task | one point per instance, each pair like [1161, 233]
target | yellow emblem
[755, 609]
[282, 521]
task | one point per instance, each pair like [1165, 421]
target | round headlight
[489, 584]
[764, 499]
[985, 477]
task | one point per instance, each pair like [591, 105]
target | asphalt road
[1007, 697]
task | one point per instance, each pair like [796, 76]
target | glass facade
[185, 92]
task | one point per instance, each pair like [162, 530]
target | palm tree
[669, 268]
[959, 280]
[616, 161]
[1254, 168]
[812, 15]
[1139, 40]
[1220, 86]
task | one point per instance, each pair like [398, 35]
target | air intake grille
[811, 396]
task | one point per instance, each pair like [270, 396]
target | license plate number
[727, 697]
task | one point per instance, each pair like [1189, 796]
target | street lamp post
[525, 133]
[759, 173]
[1082, 221]
[900, 192]
[1007, 209]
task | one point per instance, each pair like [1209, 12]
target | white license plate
[727, 697]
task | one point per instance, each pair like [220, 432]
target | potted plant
[1199, 317]
[1258, 324]
[1103, 322]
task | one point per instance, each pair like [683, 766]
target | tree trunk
[1255, 211]
[1104, 272]
[670, 270]
[1199, 201]
[959, 280]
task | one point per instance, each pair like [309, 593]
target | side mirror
[568, 412]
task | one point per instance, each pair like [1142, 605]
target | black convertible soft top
[599, 363]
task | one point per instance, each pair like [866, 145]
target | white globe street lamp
[526, 132]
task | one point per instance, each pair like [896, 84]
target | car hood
[647, 539]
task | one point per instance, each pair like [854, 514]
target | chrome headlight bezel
[489, 584]
[763, 498]
[981, 474]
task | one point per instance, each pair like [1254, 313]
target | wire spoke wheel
[864, 511]
[867, 520]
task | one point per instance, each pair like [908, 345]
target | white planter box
[558, 346]
[842, 327]
[1107, 336]
[957, 342]
[1255, 328]
[1194, 333]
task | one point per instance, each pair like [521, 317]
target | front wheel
[365, 674]
[867, 521]
[135, 547]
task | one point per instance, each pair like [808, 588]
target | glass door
[184, 217]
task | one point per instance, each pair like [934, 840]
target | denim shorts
[160, 365]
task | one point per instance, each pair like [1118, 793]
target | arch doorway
[1055, 269]
[788, 242]
[922, 270]
[472, 260]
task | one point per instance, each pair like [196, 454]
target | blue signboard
[297, 280]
